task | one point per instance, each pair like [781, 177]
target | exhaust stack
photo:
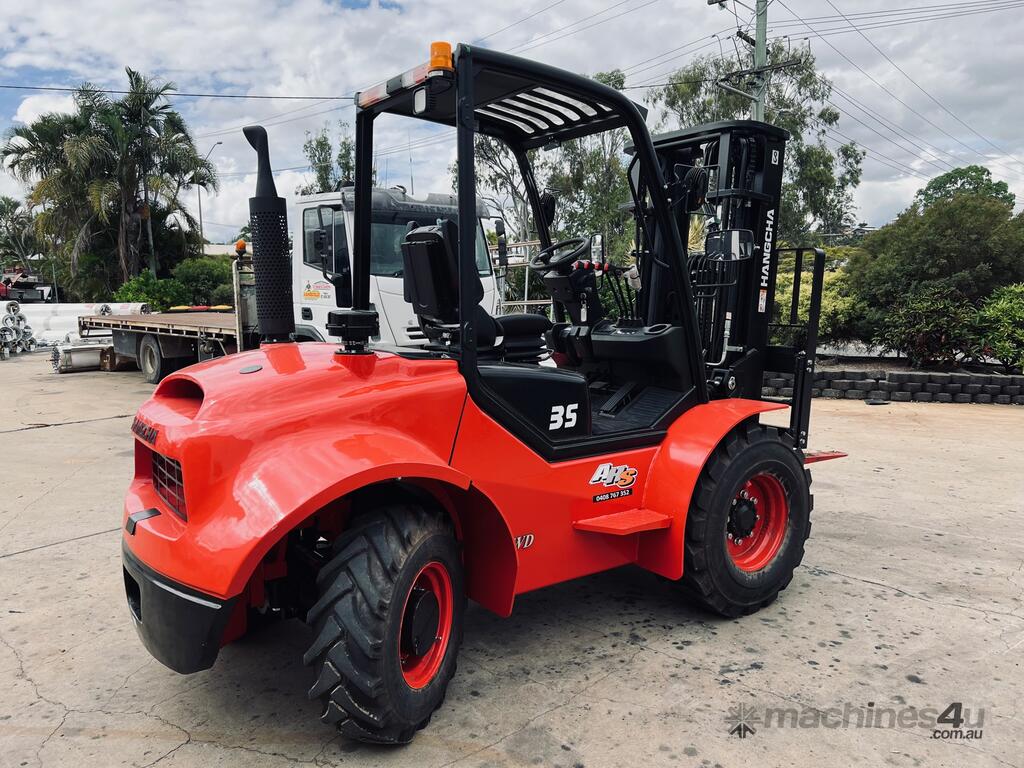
[268, 221]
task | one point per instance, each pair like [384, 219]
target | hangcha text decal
[619, 477]
[766, 260]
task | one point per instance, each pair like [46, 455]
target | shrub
[223, 294]
[159, 294]
[839, 308]
[933, 326]
[1001, 323]
[202, 277]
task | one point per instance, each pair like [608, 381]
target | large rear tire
[388, 624]
[748, 521]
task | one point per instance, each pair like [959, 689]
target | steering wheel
[561, 254]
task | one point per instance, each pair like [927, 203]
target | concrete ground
[910, 596]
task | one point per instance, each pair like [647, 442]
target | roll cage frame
[477, 79]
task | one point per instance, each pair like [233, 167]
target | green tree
[17, 235]
[931, 326]
[202, 278]
[971, 180]
[817, 195]
[968, 243]
[589, 177]
[329, 167]
[112, 166]
[1001, 320]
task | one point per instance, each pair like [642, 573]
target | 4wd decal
[619, 477]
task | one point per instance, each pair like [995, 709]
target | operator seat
[430, 280]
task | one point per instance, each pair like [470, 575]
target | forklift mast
[743, 327]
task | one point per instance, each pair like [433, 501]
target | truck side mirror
[729, 245]
[336, 271]
[499, 230]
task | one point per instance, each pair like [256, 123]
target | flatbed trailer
[219, 326]
[165, 341]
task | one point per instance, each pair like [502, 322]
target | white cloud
[319, 47]
[33, 106]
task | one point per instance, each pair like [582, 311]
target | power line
[673, 50]
[934, 162]
[188, 94]
[538, 42]
[917, 85]
[915, 12]
[845, 29]
[891, 125]
[889, 92]
[270, 120]
[868, 153]
[525, 18]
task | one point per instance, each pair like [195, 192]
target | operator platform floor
[910, 596]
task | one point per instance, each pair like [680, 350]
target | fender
[677, 465]
[276, 488]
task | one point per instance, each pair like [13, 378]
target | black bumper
[180, 626]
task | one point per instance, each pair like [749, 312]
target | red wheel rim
[419, 670]
[754, 549]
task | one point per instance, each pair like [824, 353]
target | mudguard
[689, 443]
[254, 467]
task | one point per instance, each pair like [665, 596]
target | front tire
[388, 624]
[749, 518]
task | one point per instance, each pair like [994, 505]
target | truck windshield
[387, 231]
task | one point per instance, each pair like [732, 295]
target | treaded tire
[711, 578]
[151, 360]
[357, 620]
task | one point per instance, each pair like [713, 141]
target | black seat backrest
[431, 273]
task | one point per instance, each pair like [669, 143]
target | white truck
[163, 342]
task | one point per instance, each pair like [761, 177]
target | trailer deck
[211, 325]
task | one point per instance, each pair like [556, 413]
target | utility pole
[761, 58]
[759, 72]
[199, 190]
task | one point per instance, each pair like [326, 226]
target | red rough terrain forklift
[370, 491]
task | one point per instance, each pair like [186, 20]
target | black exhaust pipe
[268, 222]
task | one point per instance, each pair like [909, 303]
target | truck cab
[394, 209]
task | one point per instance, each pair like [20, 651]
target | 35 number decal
[563, 416]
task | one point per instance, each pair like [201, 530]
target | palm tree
[17, 244]
[98, 173]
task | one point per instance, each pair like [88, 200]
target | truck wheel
[388, 624]
[151, 361]
[748, 522]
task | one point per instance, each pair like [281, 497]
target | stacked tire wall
[905, 386]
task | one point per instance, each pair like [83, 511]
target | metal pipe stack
[23, 327]
[16, 334]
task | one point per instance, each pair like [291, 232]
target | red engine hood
[280, 382]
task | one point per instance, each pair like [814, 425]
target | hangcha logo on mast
[766, 258]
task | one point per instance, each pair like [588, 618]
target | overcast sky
[969, 63]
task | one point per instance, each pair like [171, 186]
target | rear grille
[168, 484]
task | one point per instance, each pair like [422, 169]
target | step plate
[625, 523]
